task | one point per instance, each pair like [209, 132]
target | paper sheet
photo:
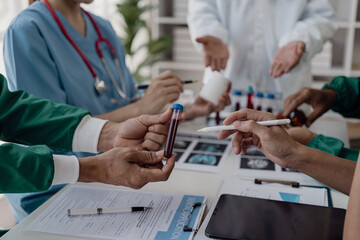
[165, 220]
[256, 165]
[305, 195]
[200, 152]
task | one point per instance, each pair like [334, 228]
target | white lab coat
[255, 29]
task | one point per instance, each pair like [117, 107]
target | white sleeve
[204, 19]
[87, 134]
[316, 25]
[66, 169]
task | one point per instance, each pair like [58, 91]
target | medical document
[165, 220]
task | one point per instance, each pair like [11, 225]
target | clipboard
[239, 187]
[239, 217]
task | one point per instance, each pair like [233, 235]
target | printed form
[165, 220]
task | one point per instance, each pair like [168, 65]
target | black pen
[98, 211]
[145, 86]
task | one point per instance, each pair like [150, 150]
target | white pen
[231, 127]
[98, 211]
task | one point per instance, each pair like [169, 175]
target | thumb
[149, 120]
[148, 158]
[252, 127]
[300, 49]
[203, 40]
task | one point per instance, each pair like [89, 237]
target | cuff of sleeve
[87, 134]
[350, 154]
[66, 169]
[327, 144]
[337, 84]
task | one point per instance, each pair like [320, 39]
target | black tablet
[238, 217]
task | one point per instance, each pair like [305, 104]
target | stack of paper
[165, 220]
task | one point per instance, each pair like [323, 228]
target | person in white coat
[267, 44]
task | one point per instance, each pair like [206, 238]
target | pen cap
[178, 106]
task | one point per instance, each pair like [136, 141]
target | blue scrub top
[40, 60]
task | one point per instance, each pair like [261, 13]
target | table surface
[198, 183]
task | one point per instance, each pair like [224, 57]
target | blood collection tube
[175, 119]
[249, 99]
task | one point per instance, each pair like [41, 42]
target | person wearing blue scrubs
[41, 57]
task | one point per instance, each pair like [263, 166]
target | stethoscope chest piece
[99, 85]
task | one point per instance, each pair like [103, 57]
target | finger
[236, 143]
[287, 68]
[216, 64]
[229, 87]
[278, 69]
[223, 63]
[247, 114]
[203, 40]
[251, 126]
[208, 61]
[151, 145]
[146, 157]
[226, 133]
[156, 138]
[148, 120]
[155, 174]
[159, 129]
[165, 75]
[272, 68]
[293, 101]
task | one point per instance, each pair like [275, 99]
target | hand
[215, 53]
[301, 135]
[147, 132]
[164, 89]
[273, 141]
[320, 100]
[126, 167]
[286, 58]
[202, 107]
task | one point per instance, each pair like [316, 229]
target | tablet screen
[238, 217]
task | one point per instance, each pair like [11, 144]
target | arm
[347, 96]
[30, 120]
[276, 144]
[29, 63]
[352, 218]
[204, 19]
[315, 26]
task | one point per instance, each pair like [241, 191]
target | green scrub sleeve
[2, 232]
[348, 96]
[29, 120]
[333, 146]
[25, 169]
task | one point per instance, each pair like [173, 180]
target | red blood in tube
[175, 119]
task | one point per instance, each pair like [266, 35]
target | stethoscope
[99, 85]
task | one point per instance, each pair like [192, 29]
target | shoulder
[30, 18]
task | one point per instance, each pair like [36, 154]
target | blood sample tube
[297, 118]
[238, 95]
[249, 99]
[175, 119]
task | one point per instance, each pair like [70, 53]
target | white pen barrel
[84, 211]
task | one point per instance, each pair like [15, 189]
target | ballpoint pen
[98, 211]
[145, 86]
[231, 127]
